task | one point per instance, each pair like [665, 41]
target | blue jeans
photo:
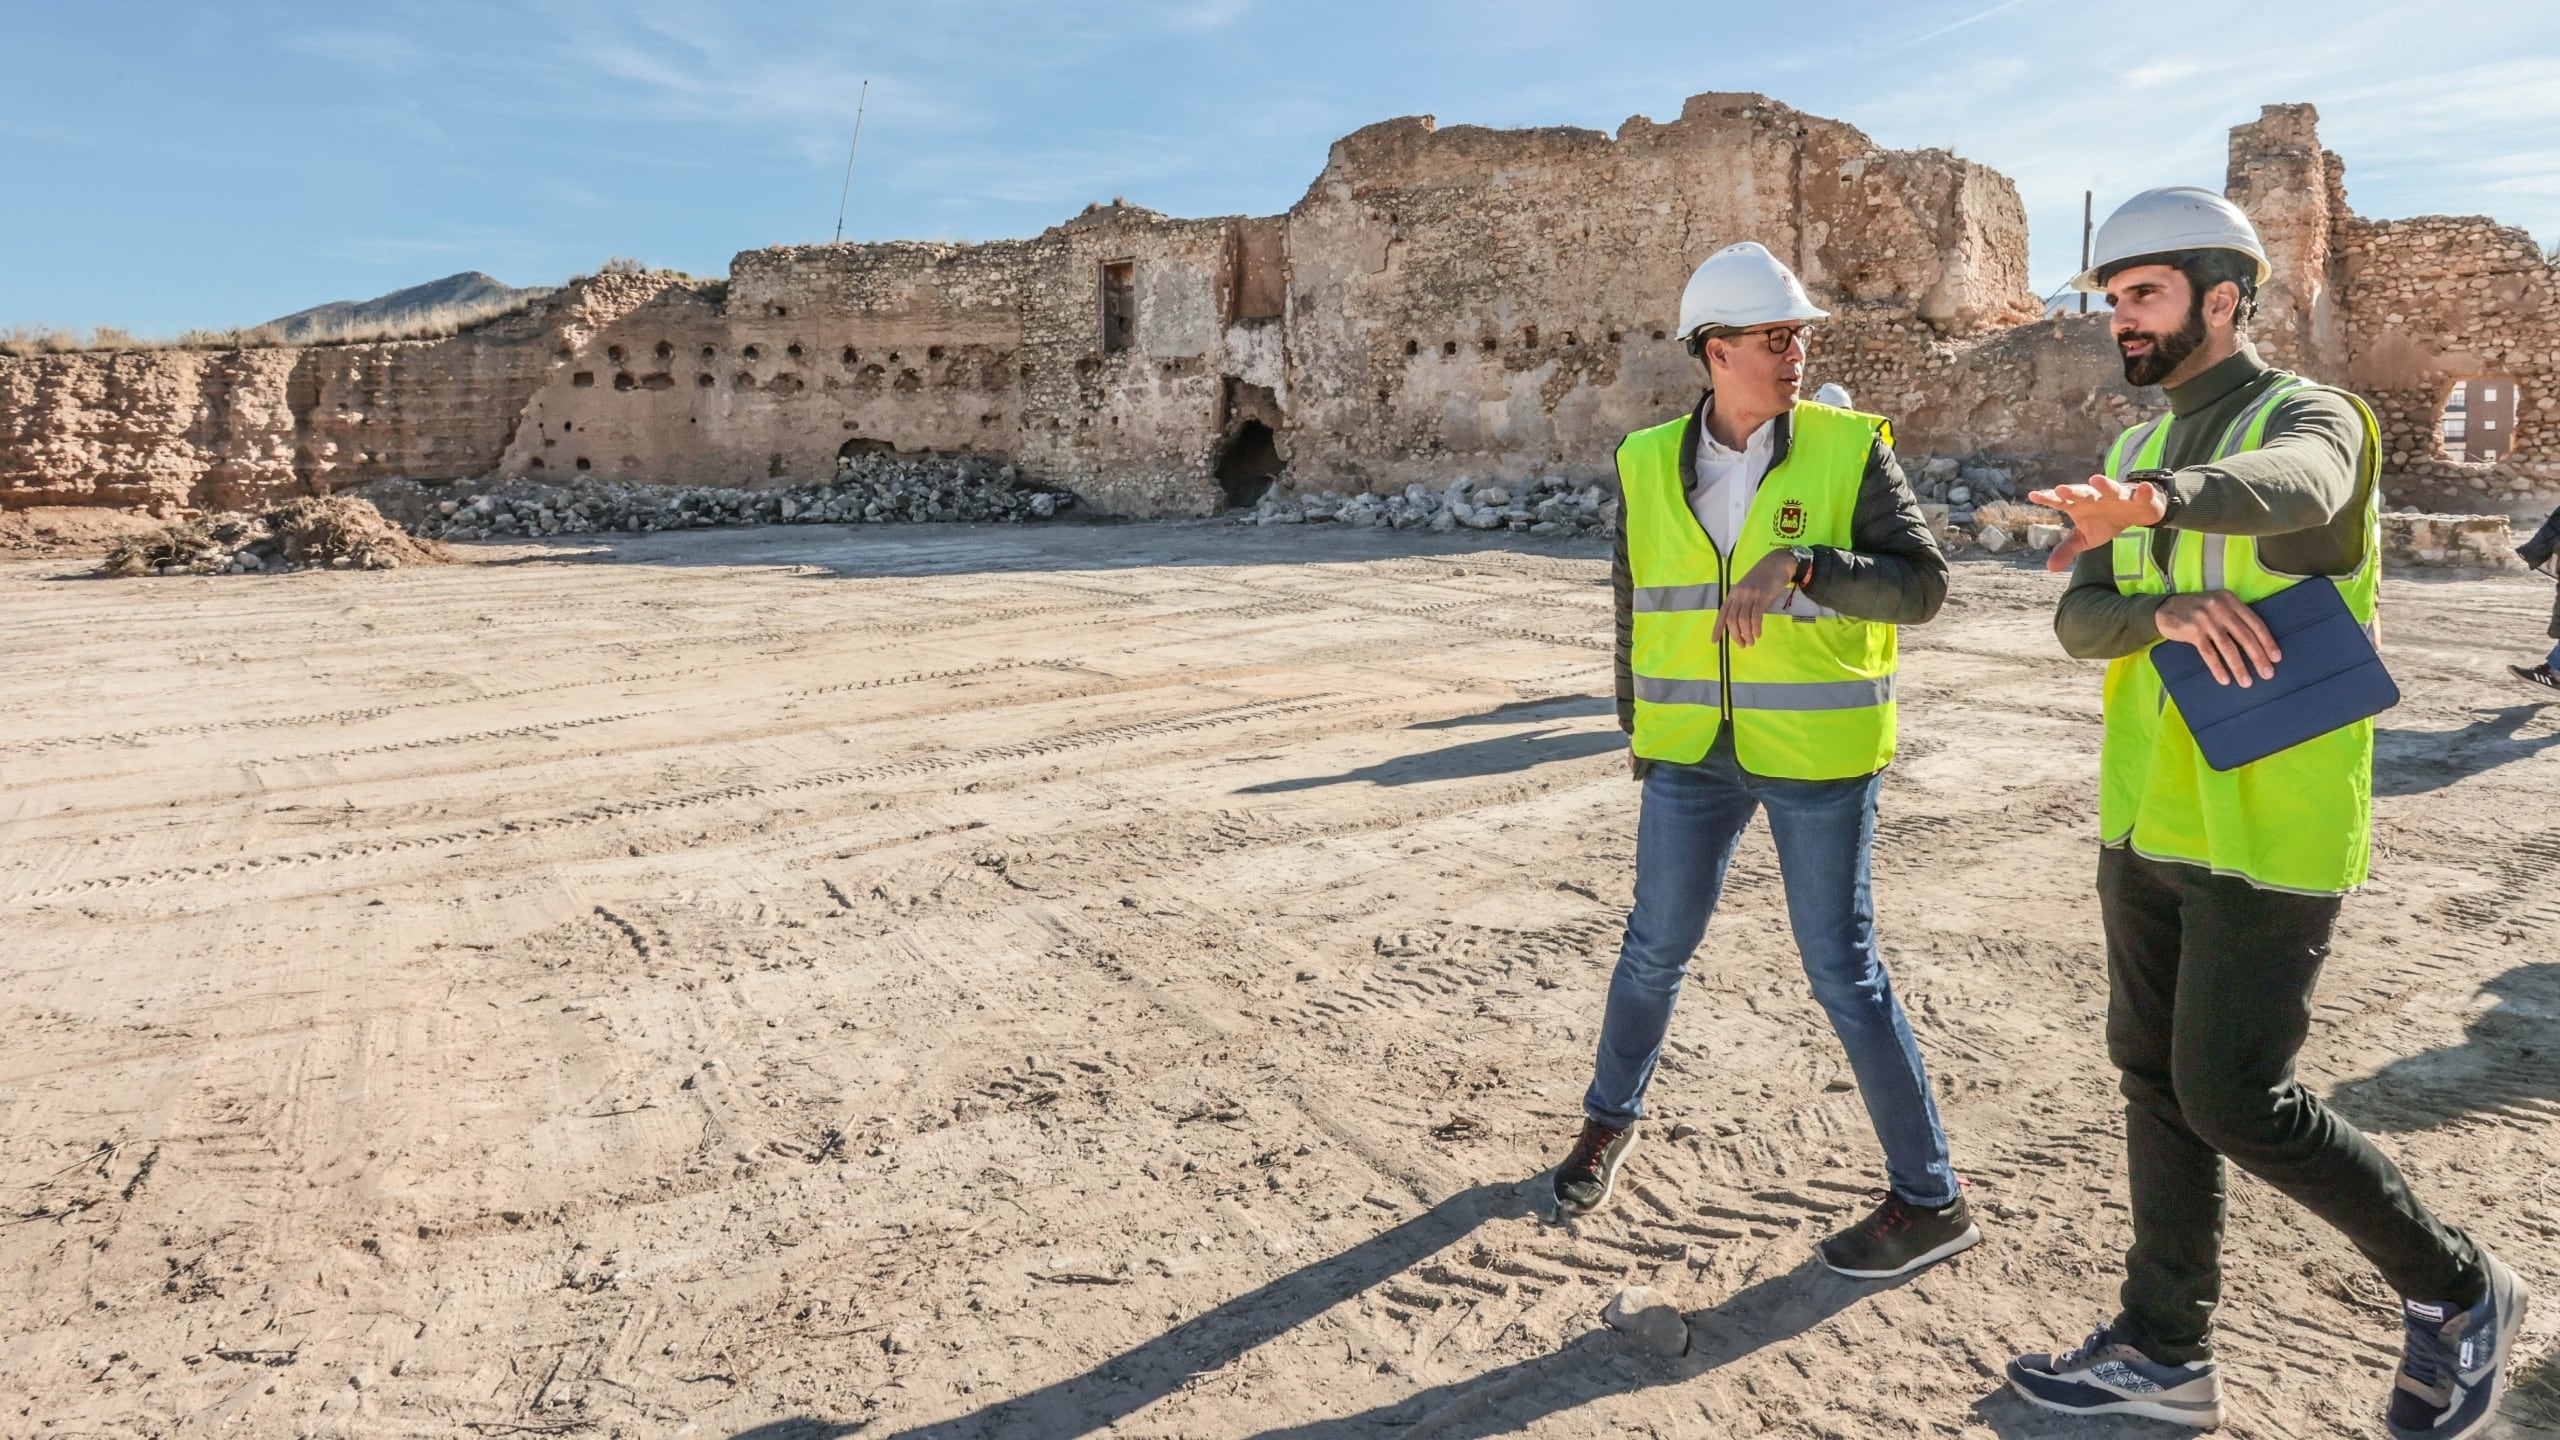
[2552, 660]
[1693, 817]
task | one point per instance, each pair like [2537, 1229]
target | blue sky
[173, 165]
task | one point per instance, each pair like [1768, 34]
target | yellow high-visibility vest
[2299, 820]
[1813, 700]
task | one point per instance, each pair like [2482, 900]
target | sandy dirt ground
[1028, 982]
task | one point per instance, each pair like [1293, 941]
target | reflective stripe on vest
[1769, 694]
[1813, 699]
[2300, 820]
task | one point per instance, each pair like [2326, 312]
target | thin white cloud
[374, 49]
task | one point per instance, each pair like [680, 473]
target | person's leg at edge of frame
[1825, 834]
[1692, 816]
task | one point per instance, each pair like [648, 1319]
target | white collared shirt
[1729, 480]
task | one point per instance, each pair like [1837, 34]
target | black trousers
[2210, 982]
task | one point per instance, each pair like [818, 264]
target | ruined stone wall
[2437, 300]
[233, 428]
[2400, 310]
[763, 381]
[1137, 431]
[1501, 302]
[1440, 302]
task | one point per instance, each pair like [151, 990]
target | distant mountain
[440, 305]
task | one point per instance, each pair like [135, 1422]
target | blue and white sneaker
[2105, 1376]
[2453, 1368]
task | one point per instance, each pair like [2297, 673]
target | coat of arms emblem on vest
[1791, 520]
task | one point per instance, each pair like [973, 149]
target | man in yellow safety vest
[1769, 549]
[2218, 890]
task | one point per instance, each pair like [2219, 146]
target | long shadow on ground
[2416, 762]
[2509, 1053]
[1138, 1377]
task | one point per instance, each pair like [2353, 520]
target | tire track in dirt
[925, 765]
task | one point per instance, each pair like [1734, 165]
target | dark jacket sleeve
[1893, 571]
[2093, 622]
[1622, 588]
[2303, 477]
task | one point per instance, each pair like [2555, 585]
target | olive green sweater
[2298, 493]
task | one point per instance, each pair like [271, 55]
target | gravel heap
[867, 489]
[1548, 507]
[336, 532]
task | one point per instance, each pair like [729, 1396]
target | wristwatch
[2158, 480]
[1802, 575]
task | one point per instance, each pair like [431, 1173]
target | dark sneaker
[2105, 1376]
[1898, 1238]
[2539, 675]
[2453, 1367]
[1586, 1177]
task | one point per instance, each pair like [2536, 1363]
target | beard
[2168, 352]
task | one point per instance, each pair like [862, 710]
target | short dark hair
[2204, 269]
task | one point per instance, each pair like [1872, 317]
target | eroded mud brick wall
[1501, 302]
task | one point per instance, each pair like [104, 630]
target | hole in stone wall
[794, 351]
[1613, 337]
[624, 381]
[1487, 344]
[1119, 304]
[1572, 339]
[933, 352]
[1248, 464]
[1657, 335]
[613, 353]
[583, 463]
[703, 380]
[708, 351]
[665, 349]
[754, 352]
[537, 462]
[1448, 347]
[657, 380]
[1413, 347]
[2478, 419]
[848, 356]
[1529, 337]
[583, 379]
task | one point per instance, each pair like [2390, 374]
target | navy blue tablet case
[2329, 677]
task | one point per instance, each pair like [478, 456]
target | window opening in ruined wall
[2478, 425]
[1119, 305]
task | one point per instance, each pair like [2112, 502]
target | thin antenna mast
[2088, 222]
[850, 152]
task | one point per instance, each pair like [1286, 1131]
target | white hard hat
[2174, 217]
[1834, 396]
[1740, 286]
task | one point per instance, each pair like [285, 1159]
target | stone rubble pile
[869, 489]
[1544, 508]
[336, 532]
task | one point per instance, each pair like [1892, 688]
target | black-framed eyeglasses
[1779, 340]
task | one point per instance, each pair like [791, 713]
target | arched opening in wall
[2478, 421]
[1248, 464]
